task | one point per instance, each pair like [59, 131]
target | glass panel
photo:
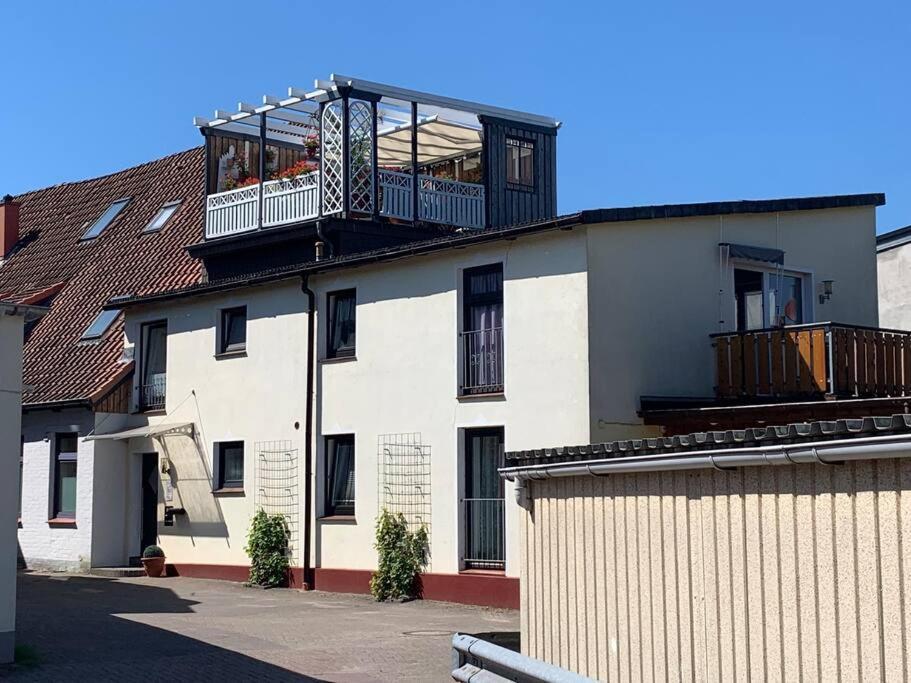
[66, 488]
[66, 444]
[791, 296]
[748, 299]
[340, 485]
[100, 325]
[164, 213]
[105, 219]
[342, 323]
[232, 465]
[155, 362]
[234, 329]
[520, 156]
[484, 458]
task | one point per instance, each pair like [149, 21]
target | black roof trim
[894, 238]
[566, 222]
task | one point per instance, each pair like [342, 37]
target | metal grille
[483, 361]
[484, 533]
[152, 395]
[332, 158]
[360, 153]
[276, 487]
[404, 478]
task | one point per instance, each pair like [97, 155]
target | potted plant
[311, 143]
[153, 561]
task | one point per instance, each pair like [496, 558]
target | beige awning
[438, 139]
[163, 429]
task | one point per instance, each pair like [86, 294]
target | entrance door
[484, 506]
[149, 500]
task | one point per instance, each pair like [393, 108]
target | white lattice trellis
[360, 154]
[332, 158]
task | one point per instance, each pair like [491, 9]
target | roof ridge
[69, 183]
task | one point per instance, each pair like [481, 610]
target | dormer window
[100, 325]
[105, 219]
[163, 216]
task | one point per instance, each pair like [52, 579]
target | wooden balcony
[828, 360]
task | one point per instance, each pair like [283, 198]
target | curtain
[341, 477]
[343, 326]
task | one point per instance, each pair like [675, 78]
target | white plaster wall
[115, 536]
[405, 378]
[41, 544]
[654, 297]
[10, 413]
[253, 398]
[894, 279]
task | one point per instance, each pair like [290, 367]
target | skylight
[105, 219]
[100, 325]
[162, 217]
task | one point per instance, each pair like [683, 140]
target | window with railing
[481, 340]
[483, 504]
[153, 366]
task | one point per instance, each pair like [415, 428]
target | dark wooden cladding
[117, 400]
[825, 360]
[217, 145]
[508, 204]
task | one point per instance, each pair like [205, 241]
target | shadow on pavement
[70, 623]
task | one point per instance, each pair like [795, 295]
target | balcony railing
[484, 533]
[152, 395]
[482, 370]
[287, 201]
[817, 359]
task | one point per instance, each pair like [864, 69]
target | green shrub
[402, 555]
[152, 551]
[267, 546]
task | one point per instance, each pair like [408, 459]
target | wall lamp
[826, 291]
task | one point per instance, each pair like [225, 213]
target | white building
[376, 322]
[893, 260]
[13, 319]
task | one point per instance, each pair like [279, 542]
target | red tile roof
[57, 367]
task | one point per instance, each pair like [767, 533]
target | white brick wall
[42, 545]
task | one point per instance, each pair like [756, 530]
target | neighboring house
[775, 553]
[13, 319]
[893, 259]
[72, 247]
[339, 357]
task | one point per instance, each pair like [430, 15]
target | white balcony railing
[287, 201]
[290, 200]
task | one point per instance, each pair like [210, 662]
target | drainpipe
[325, 240]
[308, 429]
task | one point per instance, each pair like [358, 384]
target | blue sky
[661, 103]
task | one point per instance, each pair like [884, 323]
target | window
[233, 334]
[65, 447]
[229, 465]
[105, 219]
[339, 475]
[768, 298]
[100, 325]
[153, 366]
[484, 504]
[482, 336]
[520, 162]
[159, 219]
[342, 313]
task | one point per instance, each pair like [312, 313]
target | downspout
[308, 430]
[325, 240]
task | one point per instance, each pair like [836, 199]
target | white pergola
[448, 128]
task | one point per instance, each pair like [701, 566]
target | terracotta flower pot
[154, 566]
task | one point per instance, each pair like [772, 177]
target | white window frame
[808, 309]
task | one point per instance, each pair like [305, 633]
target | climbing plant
[267, 546]
[402, 556]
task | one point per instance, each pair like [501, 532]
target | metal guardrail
[482, 370]
[478, 661]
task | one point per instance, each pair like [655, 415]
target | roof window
[164, 214]
[100, 325]
[105, 219]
